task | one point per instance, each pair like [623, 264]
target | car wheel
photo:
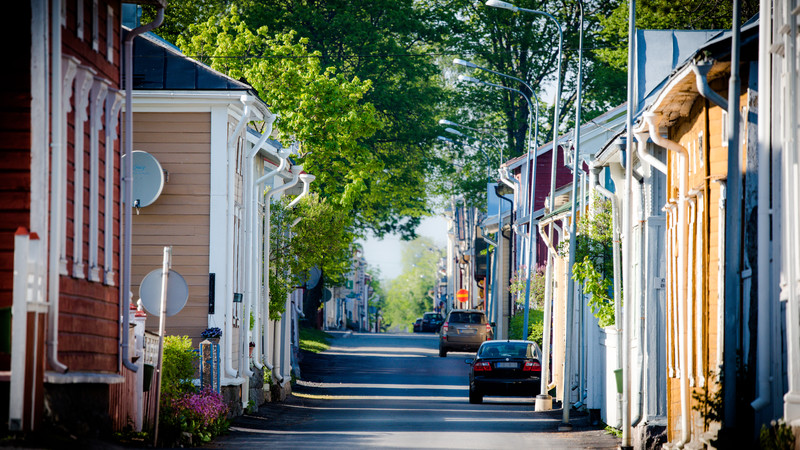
[474, 396]
[442, 352]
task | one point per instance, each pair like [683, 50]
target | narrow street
[394, 391]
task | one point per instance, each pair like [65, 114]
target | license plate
[506, 365]
[468, 331]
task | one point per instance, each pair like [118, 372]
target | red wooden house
[62, 316]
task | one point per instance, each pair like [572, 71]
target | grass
[314, 340]
[613, 431]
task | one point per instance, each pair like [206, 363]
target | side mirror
[468, 361]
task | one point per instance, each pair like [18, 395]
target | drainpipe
[127, 186]
[653, 121]
[307, 179]
[262, 353]
[57, 207]
[296, 169]
[701, 70]
[251, 226]
[231, 152]
[253, 236]
[641, 149]
[762, 234]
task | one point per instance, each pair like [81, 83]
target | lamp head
[445, 139]
[502, 5]
[446, 122]
[464, 63]
[468, 79]
[453, 131]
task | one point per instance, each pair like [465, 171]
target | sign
[462, 295]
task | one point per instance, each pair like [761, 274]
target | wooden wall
[180, 216]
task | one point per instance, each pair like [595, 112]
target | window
[110, 35]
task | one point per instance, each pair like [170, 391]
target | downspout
[701, 70]
[127, 187]
[262, 354]
[251, 227]
[296, 169]
[653, 121]
[762, 228]
[57, 207]
[306, 178]
[229, 371]
[254, 238]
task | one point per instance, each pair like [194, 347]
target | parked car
[505, 368]
[464, 330]
[418, 325]
[432, 321]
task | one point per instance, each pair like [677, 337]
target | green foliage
[663, 15]
[314, 340]
[408, 296]
[535, 326]
[194, 418]
[519, 282]
[777, 436]
[178, 367]
[327, 69]
[594, 264]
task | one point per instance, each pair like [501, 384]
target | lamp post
[505, 5]
[529, 171]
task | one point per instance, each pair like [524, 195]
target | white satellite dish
[150, 292]
[148, 179]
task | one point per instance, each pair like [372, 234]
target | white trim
[83, 84]
[70, 70]
[82, 378]
[98, 99]
[113, 106]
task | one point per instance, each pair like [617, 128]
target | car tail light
[532, 366]
[444, 328]
[482, 366]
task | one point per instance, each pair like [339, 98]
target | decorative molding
[83, 84]
[97, 101]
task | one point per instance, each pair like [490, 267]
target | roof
[159, 65]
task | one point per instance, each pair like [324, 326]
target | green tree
[320, 239]
[663, 15]
[409, 295]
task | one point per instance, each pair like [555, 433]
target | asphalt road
[394, 391]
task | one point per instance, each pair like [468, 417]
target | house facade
[62, 186]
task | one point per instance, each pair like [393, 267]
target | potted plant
[212, 334]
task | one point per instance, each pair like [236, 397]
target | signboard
[462, 295]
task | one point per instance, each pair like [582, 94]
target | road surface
[394, 391]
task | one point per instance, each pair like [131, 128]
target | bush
[535, 326]
[179, 367]
[778, 436]
[202, 414]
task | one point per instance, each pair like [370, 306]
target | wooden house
[65, 325]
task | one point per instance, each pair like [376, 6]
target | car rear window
[507, 350]
[465, 317]
[432, 316]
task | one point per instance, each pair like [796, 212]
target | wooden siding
[180, 217]
[701, 133]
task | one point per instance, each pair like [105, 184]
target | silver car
[464, 330]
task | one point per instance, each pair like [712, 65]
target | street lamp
[505, 5]
[529, 171]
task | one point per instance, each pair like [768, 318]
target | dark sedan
[431, 322]
[505, 368]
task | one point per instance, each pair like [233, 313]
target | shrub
[535, 325]
[178, 368]
[777, 436]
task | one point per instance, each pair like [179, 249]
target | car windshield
[507, 350]
[432, 316]
[467, 317]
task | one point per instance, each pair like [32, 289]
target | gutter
[127, 188]
[234, 377]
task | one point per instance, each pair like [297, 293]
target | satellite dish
[313, 278]
[148, 179]
[150, 292]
